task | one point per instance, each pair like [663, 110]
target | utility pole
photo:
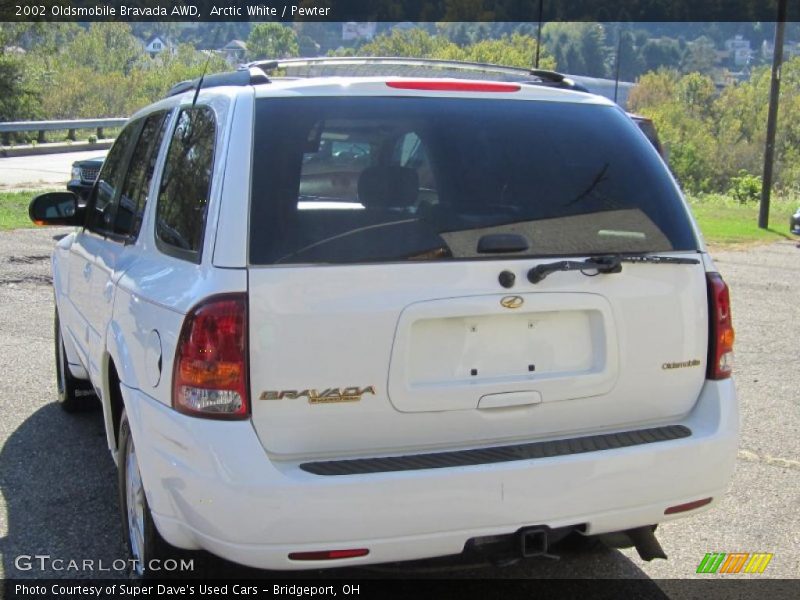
[772, 118]
[538, 36]
[618, 60]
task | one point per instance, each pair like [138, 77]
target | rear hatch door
[378, 230]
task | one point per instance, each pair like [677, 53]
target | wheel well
[115, 399]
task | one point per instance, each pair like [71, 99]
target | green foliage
[513, 50]
[578, 48]
[516, 50]
[700, 56]
[272, 40]
[14, 209]
[658, 53]
[71, 72]
[105, 48]
[415, 43]
[745, 187]
[19, 98]
[715, 139]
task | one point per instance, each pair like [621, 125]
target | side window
[331, 170]
[133, 197]
[409, 151]
[109, 181]
[185, 184]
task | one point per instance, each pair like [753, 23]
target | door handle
[87, 270]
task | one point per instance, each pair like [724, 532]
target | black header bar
[395, 10]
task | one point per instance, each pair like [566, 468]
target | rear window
[352, 180]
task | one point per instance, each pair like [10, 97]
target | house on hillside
[358, 31]
[234, 51]
[738, 51]
[790, 49]
[156, 45]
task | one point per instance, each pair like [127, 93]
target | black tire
[147, 544]
[74, 395]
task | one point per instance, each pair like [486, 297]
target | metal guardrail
[70, 125]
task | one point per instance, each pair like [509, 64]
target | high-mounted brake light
[720, 331]
[454, 86]
[210, 372]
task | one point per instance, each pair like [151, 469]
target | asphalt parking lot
[36, 172]
[58, 493]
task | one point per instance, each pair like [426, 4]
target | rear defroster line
[482, 456]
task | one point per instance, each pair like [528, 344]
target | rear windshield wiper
[603, 264]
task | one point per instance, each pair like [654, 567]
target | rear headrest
[388, 187]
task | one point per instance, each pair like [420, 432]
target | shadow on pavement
[59, 484]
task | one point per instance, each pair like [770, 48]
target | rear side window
[133, 197]
[347, 180]
[105, 200]
[185, 184]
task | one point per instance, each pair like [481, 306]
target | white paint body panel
[235, 488]
[211, 486]
[355, 325]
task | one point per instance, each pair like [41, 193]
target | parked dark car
[649, 129]
[84, 173]
[794, 222]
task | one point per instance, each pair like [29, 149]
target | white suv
[346, 320]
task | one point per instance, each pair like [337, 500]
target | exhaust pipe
[644, 539]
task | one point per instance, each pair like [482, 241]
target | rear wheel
[144, 542]
[73, 394]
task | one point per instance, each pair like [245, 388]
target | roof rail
[542, 77]
[257, 72]
[237, 78]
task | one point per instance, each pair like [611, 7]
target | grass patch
[722, 219]
[14, 209]
[725, 221]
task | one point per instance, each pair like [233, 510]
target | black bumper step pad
[499, 454]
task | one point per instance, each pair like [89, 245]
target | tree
[512, 50]
[631, 64]
[688, 136]
[515, 50]
[700, 56]
[105, 48]
[578, 48]
[716, 140]
[19, 97]
[19, 100]
[415, 43]
[272, 40]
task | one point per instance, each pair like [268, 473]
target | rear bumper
[211, 485]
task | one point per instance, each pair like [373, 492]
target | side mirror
[56, 208]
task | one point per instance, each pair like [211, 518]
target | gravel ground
[58, 482]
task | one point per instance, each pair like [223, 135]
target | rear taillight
[210, 373]
[720, 331]
[329, 554]
[679, 508]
